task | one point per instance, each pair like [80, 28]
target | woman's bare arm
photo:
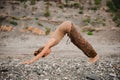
[46, 48]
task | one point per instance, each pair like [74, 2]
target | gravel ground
[61, 68]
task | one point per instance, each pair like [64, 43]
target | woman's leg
[82, 44]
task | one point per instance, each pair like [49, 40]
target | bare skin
[94, 59]
[64, 28]
[44, 52]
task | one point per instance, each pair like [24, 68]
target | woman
[68, 28]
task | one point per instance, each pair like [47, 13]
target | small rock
[66, 78]
[27, 65]
[112, 74]
[92, 77]
[46, 79]
[41, 75]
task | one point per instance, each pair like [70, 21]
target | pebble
[112, 74]
[46, 79]
[92, 77]
[66, 78]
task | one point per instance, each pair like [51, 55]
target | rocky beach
[66, 61]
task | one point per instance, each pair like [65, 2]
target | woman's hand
[27, 62]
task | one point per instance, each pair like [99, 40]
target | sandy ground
[105, 42]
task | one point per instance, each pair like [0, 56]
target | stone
[92, 77]
[112, 74]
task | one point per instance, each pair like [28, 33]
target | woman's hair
[38, 51]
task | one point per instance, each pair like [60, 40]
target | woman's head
[38, 51]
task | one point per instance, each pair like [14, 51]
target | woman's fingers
[26, 62]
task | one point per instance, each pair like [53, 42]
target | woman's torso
[61, 31]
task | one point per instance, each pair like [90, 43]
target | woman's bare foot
[93, 60]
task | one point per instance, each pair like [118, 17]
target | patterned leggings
[81, 43]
